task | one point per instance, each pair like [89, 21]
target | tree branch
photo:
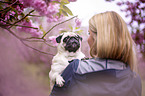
[23, 39]
[30, 39]
[35, 15]
[33, 38]
[36, 49]
[21, 19]
[13, 34]
[56, 25]
[5, 2]
[26, 26]
[8, 24]
[9, 5]
[45, 42]
[12, 3]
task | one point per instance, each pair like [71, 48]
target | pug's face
[70, 41]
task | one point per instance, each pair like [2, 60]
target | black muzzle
[72, 43]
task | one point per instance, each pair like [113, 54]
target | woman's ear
[58, 39]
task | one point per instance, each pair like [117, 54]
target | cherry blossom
[78, 22]
[53, 40]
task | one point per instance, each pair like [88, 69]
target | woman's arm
[67, 75]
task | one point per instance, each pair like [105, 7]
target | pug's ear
[58, 39]
[80, 37]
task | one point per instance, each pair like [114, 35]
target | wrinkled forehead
[69, 34]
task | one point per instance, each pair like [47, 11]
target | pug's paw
[60, 81]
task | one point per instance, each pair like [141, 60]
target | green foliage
[65, 1]
[66, 9]
[79, 31]
[41, 28]
[62, 31]
[72, 29]
[63, 12]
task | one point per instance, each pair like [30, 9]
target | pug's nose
[74, 44]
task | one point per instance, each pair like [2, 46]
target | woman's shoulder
[98, 64]
[89, 65]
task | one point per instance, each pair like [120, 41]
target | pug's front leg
[60, 81]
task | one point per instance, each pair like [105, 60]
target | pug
[69, 48]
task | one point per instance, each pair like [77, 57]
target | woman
[111, 70]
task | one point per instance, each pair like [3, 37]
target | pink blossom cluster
[32, 31]
[18, 6]
[40, 6]
[138, 37]
[134, 9]
[43, 7]
[12, 14]
[68, 0]
[6, 17]
[52, 10]
[27, 3]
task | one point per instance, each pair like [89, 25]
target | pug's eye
[65, 39]
[79, 37]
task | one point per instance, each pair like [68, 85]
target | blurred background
[24, 71]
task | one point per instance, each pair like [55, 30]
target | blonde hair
[112, 39]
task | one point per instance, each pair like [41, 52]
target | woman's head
[111, 38]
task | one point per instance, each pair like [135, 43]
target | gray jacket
[98, 77]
